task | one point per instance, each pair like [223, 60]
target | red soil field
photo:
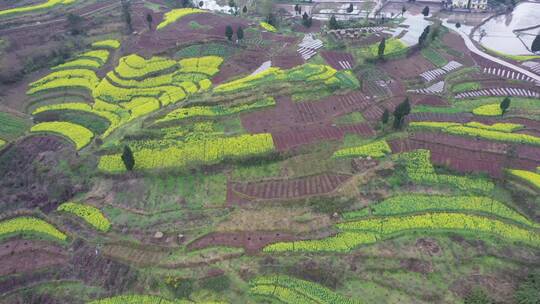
[291, 139]
[339, 60]
[288, 115]
[284, 189]
[469, 155]
[407, 68]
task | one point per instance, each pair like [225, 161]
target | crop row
[32, 8]
[79, 135]
[420, 170]
[89, 214]
[81, 63]
[106, 44]
[144, 299]
[295, 291]
[530, 177]
[136, 67]
[176, 14]
[375, 149]
[488, 110]
[207, 65]
[306, 72]
[413, 203]
[30, 225]
[206, 151]
[371, 230]
[267, 26]
[498, 132]
[72, 78]
[213, 111]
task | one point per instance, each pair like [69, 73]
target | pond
[504, 33]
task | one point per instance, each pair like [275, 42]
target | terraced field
[253, 152]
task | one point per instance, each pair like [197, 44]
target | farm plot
[290, 290]
[309, 46]
[34, 8]
[405, 68]
[24, 256]
[469, 155]
[494, 69]
[376, 83]
[291, 139]
[310, 73]
[155, 155]
[339, 60]
[295, 116]
[434, 89]
[285, 189]
[498, 132]
[12, 126]
[136, 87]
[501, 91]
[251, 241]
[432, 75]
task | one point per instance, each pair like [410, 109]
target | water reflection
[502, 33]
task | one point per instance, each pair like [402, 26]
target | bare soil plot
[285, 189]
[291, 139]
[407, 68]
[22, 256]
[339, 60]
[131, 255]
[251, 241]
[24, 185]
[288, 115]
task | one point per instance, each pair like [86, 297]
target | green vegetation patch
[465, 86]
[434, 57]
[89, 214]
[12, 126]
[530, 177]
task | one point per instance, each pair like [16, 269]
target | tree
[126, 12]
[244, 10]
[535, 47]
[296, 8]
[201, 3]
[423, 37]
[333, 24]
[127, 158]
[505, 104]
[403, 10]
[402, 110]
[187, 3]
[149, 20]
[425, 11]
[229, 32]
[307, 22]
[350, 9]
[458, 25]
[240, 33]
[75, 24]
[385, 116]
[382, 46]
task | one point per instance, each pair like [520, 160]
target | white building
[470, 4]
